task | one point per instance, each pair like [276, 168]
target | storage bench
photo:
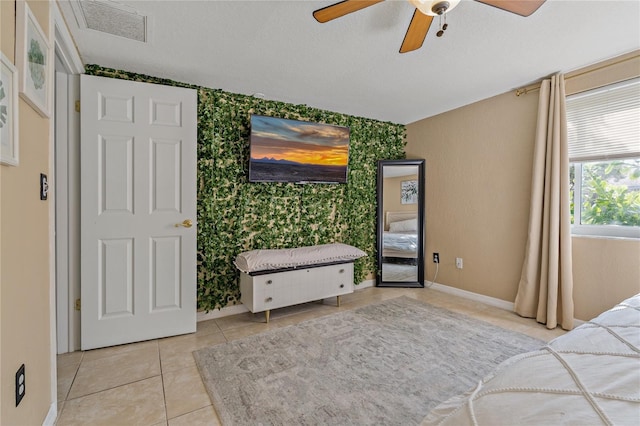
[271, 279]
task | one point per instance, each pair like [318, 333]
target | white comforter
[401, 241]
[589, 376]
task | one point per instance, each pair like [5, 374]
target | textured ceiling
[352, 65]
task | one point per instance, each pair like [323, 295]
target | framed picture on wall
[409, 192]
[33, 59]
[8, 113]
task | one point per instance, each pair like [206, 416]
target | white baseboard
[498, 303]
[224, 312]
[487, 300]
[366, 284]
[50, 420]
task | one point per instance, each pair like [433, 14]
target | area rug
[387, 363]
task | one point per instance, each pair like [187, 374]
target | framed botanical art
[33, 58]
[8, 113]
[409, 192]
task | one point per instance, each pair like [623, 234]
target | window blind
[604, 123]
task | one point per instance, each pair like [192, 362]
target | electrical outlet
[436, 257]
[459, 262]
[21, 385]
[44, 186]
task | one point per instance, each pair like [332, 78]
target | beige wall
[478, 167]
[479, 160]
[605, 271]
[24, 261]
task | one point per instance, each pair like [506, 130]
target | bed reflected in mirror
[400, 223]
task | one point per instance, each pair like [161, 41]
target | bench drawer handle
[268, 299]
[341, 285]
[341, 271]
[269, 282]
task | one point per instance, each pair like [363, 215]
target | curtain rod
[569, 76]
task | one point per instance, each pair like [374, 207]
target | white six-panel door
[138, 181]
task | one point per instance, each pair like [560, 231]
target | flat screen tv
[283, 150]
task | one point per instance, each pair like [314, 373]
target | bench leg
[338, 301]
[267, 313]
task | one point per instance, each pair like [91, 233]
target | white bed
[589, 376]
[400, 236]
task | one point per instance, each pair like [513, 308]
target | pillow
[261, 260]
[404, 225]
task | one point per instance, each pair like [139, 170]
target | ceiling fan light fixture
[434, 7]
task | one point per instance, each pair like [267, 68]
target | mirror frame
[421, 222]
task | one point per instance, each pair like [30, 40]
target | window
[604, 150]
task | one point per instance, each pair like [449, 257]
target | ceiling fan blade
[342, 8]
[416, 32]
[519, 7]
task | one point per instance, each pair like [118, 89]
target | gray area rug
[386, 363]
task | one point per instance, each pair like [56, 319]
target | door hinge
[77, 106]
[77, 304]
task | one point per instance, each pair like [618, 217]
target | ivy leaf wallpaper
[235, 215]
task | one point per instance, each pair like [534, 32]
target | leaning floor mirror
[400, 235]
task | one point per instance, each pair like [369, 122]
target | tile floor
[157, 382]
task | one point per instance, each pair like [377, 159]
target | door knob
[187, 223]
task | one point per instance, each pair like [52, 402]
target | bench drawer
[280, 289]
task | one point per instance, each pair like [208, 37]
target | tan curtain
[545, 291]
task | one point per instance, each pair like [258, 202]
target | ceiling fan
[423, 15]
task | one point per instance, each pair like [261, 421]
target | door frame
[67, 222]
[64, 48]
[66, 253]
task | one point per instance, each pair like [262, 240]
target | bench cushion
[261, 260]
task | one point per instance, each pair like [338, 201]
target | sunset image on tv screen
[284, 150]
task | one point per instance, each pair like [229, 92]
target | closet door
[138, 211]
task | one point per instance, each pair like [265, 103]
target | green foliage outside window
[610, 192]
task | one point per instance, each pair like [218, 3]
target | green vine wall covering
[236, 216]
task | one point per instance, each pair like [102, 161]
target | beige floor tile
[368, 296]
[539, 331]
[66, 375]
[393, 292]
[184, 392]
[309, 315]
[235, 321]
[60, 407]
[116, 370]
[453, 304]
[250, 330]
[207, 327]
[500, 321]
[185, 400]
[203, 417]
[244, 319]
[70, 358]
[139, 403]
[303, 312]
[176, 352]
[430, 296]
[95, 354]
